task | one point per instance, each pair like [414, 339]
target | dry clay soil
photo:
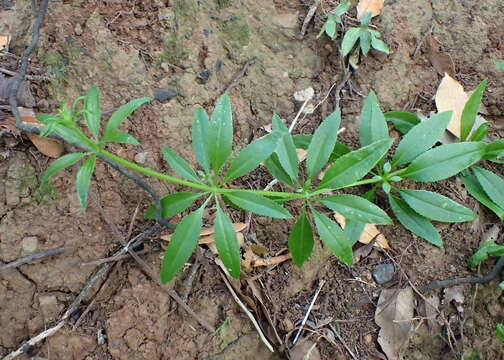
[129, 48]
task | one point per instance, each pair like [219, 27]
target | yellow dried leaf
[374, 6]
[4, 42]
[450, 95]
[301, 154]
[236, 226]
[368, 234]
[47, 146]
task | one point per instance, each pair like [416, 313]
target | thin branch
[30, 258]
[29, 77]
[238, 76]
[308, 18]
[322, 282]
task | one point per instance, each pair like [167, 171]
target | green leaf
[474, 188]
[354, 165]
[339, 150]
[353, 229]
[470, 111]
[342, 8]
[356, 208]
[499, 330]
[501, 286]
[499, 64]
[257, 204]
[365, 41]
[365, 19]
[494, 150]
[349, 40]
[179, 165]
[333, 237]
[403, 121]
[122, 113]
[379, 45]
[220, 133]
[70, 136]
[489, 248]
[60, 164]
[200, 124]
[120, 137]
[252, 155]
[480, 133]
[436, 207]
[492, 184]
[322, 144]
[276, 170]
[181, 245]
[92, 113]
[414, 222]
[330, 28]
[84, 179]
[421, 138]
[301, 240]
[227, 243]
[444, 161]
[302, 141]
[173, 204]
[286, 150]
[373, 126]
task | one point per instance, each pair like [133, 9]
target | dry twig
[30, 258]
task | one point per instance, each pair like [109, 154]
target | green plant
[343, 168]
[367, 38]
[333, 18]
[484, 185]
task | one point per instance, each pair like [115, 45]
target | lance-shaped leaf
[403, 121]
[349, 40]
[470, 111]
[301, 240]
[121, 114]
[436, 207]
[494, 150]
[252, 155]
[181, 245]
[286, 150]
[200, 124]
[220, 133]
[173, 204]
[474, 188]
[373, 126]
[444, 161]
[121, 137]
[489, 248]
[421, 138]
[92, 113]
[84, 179]
[257, 204]
[179, 165]
[356, 208]
[354, 165]
[227, 243]
[60, 164]
[322, 143]
[333, 237]
[276, 170]
[492, 184]
[414, 222]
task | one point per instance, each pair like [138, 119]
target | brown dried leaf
[4, 42]
[259, 250]
[431, 311]
[368, 234]
[450, 95]
[374, 6]
[236, 226]
[440, 60]
[455, 294]
[393, 315]
[47, 146]
[301, 154]
[209, 239]
[10, 124]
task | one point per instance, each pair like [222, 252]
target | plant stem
[193, 185]
[358, 183]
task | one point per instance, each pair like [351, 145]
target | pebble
[383, 273]
[303, 95]
[78, 29]
[141, 157]
[164, 95]
[30, 244]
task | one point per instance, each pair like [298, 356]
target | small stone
[78, 29]
[383, 273]
[303, 95]
[29, 244]
[368, 339]
[164, 95]
[141, 157]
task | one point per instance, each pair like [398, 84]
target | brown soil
[128, 49]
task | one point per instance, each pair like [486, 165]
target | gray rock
[29, 244]
[383, 273]
[164, 95]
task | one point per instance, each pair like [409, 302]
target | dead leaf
[10, 124]
[259, 250]
[368, 234]
[393, 315]
[4, 42]
[271, 261]
[431, 311]
[374, 6]
[301, 154]
[455, 294]
[305, 349]
[209, 239]
[236, 226]
[450, 95]
[47, 146]
[440, 60]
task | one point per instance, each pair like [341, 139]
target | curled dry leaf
[450, 95]
[440, 60]
[368, 234]
[393, 315]
[47, 146]
[374, 6]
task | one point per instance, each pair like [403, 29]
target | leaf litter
[374, 6]
[369, 233]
